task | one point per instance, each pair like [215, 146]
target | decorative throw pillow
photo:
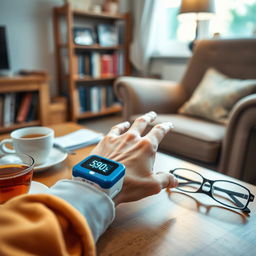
[216, 95]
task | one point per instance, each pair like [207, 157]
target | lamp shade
[202, 8]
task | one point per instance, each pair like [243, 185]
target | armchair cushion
[215, 96]
[192, 137]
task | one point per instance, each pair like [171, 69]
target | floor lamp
[199, 10]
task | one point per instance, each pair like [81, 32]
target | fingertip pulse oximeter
[107, 174]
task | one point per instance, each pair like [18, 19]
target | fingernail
[126, 124]
[152, 113]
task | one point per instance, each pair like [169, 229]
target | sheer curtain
[146, 25]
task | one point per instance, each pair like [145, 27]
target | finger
[141, 123]
[157, 133]
[166, 180]
[119, 129]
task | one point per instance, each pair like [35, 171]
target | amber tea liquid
[14, 180]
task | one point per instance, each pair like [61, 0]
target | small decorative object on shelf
[111, 6]
[84, 36]
[107, 35]
[97, 8]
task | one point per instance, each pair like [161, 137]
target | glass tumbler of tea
[16, 171]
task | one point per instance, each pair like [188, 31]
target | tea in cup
[16, 171]
[34, 141]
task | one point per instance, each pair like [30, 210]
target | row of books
[97, 65]
[18, 108]
[95, 98]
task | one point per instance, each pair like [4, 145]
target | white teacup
[34, 141]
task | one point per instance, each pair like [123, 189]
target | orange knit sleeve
[43, 225]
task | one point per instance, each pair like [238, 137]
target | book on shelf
[94, 98]
[81, 65]
[120, 64]
[97, 65]
[7, 109]
[18, 99]
[17, 107]
[84, 99]
[109, 96]
[88, 65]
[120, 30]
[24, 107]
[12, 108]
[103, 92]
[1, 109]
[115, 64]
[33, 108]
[106, 65]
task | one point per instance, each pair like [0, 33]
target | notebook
[78, 139]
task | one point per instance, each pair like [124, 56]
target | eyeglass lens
[225, 192]
[189, 181]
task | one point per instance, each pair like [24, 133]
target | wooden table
[168, 224]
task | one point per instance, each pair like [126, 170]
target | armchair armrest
[237, 150]
[140, 95]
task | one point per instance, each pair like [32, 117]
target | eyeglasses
[226, 192]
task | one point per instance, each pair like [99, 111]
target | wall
[169, 68]
[30, 34]
[30, 37]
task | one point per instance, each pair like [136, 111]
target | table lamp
[199, 10]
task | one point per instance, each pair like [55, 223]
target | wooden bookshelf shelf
[95, 79]
[102, 16]
[98, 47]
[100, 65]
[92, 47]
[17, 126]
[90, 79]
[106, 111]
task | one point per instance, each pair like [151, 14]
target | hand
[128, 146]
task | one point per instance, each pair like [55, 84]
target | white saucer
[56, 156]
[38, 188]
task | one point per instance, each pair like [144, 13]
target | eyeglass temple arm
[239, 204]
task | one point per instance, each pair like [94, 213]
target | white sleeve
[93, 204]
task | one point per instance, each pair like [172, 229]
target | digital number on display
[99, 166]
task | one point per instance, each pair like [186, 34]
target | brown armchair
[230, 149]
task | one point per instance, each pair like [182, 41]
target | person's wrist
[117, 199]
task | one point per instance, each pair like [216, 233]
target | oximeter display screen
[99, 165]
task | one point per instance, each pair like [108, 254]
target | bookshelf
[19, 87]
[69, 57]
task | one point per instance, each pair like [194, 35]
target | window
[233, 18]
